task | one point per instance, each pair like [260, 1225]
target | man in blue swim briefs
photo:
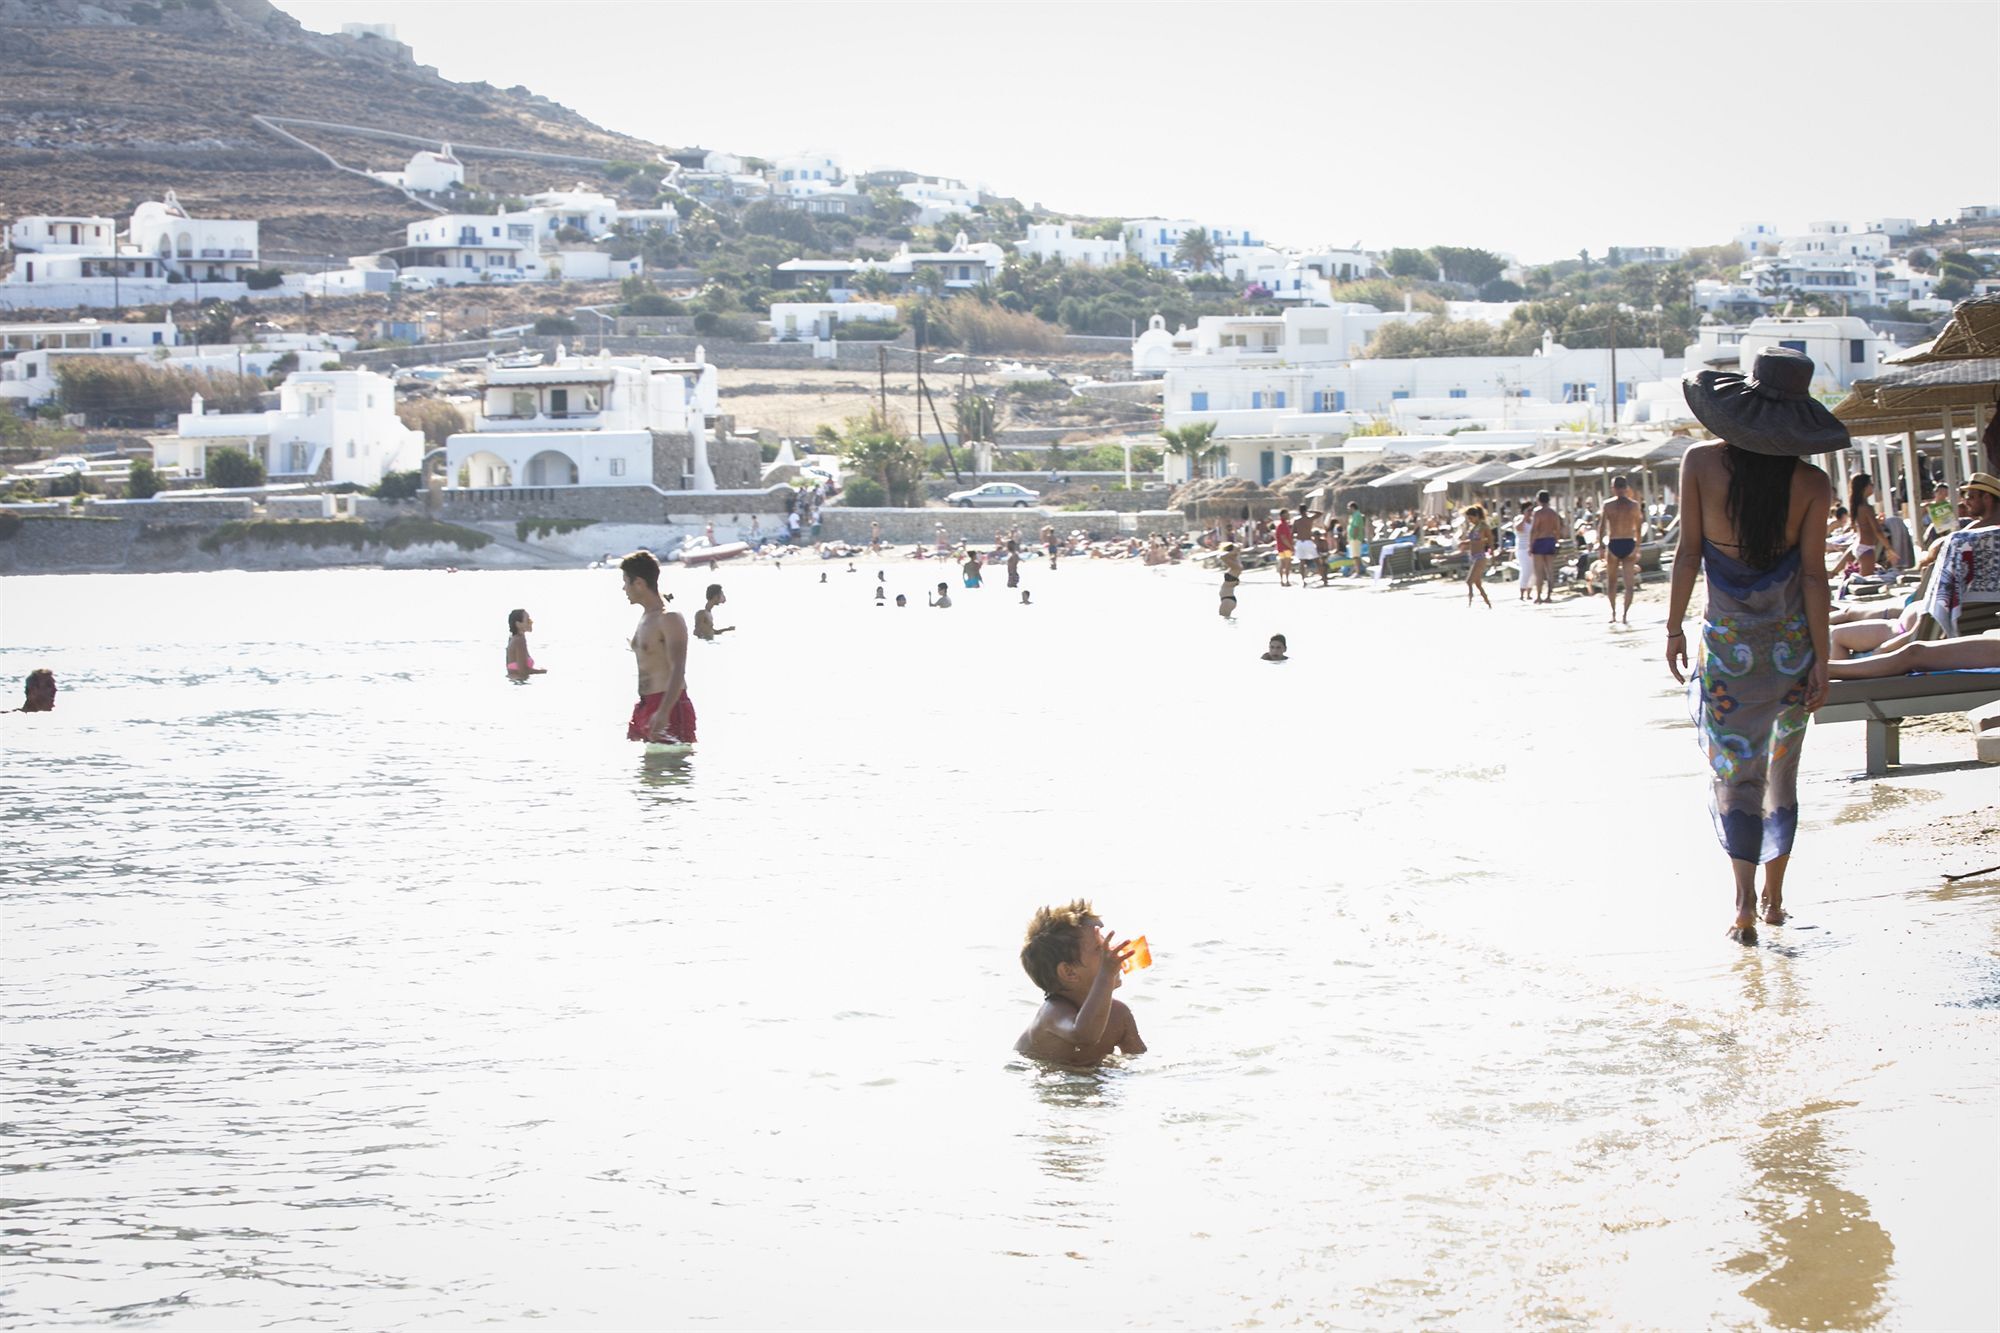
[1544, 531]
[1619, 530]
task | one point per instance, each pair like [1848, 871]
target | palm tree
[1196, 440]
[1196, 250]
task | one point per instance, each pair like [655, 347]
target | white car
[994, 495]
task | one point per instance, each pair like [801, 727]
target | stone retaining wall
[165, 509]
[678, 347]
[908, 526]
[609, 504]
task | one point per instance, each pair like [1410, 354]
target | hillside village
[542, 321]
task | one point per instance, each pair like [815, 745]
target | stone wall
[166, 509]
[906, 526]
[679, 347]
[738, 463]
[609, 504]
[83, 545]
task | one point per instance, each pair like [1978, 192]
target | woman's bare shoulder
[1812, 480]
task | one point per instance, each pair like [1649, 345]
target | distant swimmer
[901, 600]
[972, 569]
[1276, 651]
[1619, 530]
[40, 696]
[943, 597]
[664, 712]
[1076, 966]
[881, 594]
[704, 619]
[521, 662]
[1014, 563]
[1024, 598]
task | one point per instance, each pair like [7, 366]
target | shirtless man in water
[705, 627]
[1619, 529]
[660, 644]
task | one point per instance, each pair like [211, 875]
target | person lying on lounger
[1974, 653]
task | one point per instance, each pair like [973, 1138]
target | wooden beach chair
[1883, 704]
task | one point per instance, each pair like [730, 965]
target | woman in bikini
[1474, 544]
[1868, 537]
[520, 662]
[1753, 518]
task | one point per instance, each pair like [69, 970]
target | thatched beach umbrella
[1946, 395]
[1972, 333]
[1222, 497]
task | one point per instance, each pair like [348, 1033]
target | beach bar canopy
[1972, 333]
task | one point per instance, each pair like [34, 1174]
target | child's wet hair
[1055, 937]
[514, 619]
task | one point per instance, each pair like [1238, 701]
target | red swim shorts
[680, 722]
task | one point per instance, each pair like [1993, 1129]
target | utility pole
[1612, 419]
[924, 396]
[882, 376]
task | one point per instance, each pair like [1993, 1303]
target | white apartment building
[1277, 397]
[1058, 241]
[1843, 348]
[968, 264]
[427, 172]
[208, 249]
[937, 198]
[1723, 297]
[470, 247]
[333, 425]
[799, 173]
[29, 351]
[817, 321]
[1153, 240]
[1645, 254]
[48, 235]
[1307, 336]
[1754, 236]
[591, 421]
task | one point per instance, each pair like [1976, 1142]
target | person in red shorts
[664, 712]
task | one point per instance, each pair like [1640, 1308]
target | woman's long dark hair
[1857, 491]
[514, 619]
[1759, 502]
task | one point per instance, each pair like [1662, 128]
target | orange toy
[1141, 956]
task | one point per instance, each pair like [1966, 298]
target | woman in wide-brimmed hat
[1753, 519]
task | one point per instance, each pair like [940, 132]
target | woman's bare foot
[1743, 934]
[1774, 909]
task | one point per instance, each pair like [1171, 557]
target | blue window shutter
[1340, 400]
[1796, 344]
[1400, 393]
[1198, 402]
[1281, 399]
[1256, 399]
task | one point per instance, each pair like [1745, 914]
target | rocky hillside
[103, 105]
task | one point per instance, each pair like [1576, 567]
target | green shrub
[543, 527]
[398, 485]
[868, 330]
[396, 535]
[654, 304]
[262, 279]
[736, 328]
[864, 493]
[142, 483]
[233, 469]
[556, 326]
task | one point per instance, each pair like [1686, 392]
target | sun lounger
[1884, 703]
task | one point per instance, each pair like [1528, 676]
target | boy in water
[1276, 652]
[704, 619]
[1077, 966]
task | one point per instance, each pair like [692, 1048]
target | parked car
[994, 494]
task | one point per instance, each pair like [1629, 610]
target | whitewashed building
[799, 173]
[968, 264]
[332, 425]
[1153, 241]
[1290, 387]
[427, 172]
[937, 198]
[1843, 348]
[1058, 241]
[49, 235]
[591, 421]
[29, 351]
[209, 249]
[817, 321]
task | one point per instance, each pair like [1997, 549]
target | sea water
[348, 983]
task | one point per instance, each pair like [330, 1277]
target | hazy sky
[1536, 128]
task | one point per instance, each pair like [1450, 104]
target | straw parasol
[1934, 394]
[1972, 333]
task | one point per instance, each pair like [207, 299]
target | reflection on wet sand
[1825, 1260]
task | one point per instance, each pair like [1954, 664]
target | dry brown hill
[106, 104]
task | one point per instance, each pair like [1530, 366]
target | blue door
[1267, 467]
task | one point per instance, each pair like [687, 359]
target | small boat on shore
[525, 359]
[711, 555]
